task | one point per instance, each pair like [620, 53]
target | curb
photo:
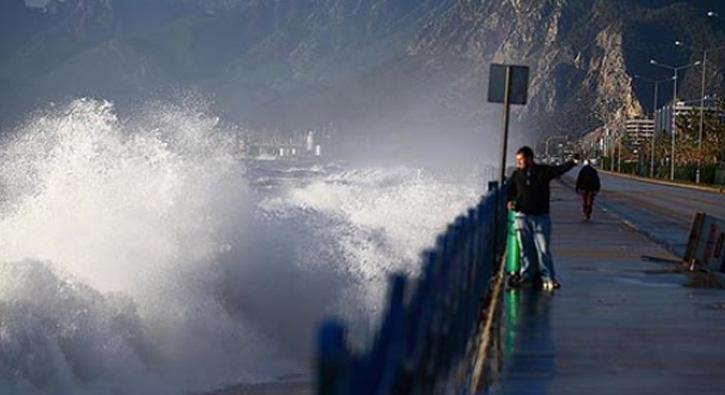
[485, 335]
[720, 190]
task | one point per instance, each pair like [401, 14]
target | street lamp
[654, 112]
[546, 147]
[702, 100]
[619, 157]
[675, 70]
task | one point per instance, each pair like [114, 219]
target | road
[663, 213]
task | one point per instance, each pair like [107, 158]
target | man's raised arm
[557, 171]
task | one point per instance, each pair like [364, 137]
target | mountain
[387, 69]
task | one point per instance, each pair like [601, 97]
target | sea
[141, 254]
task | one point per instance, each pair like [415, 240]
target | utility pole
[654, 136]
[611, 147]
[619, 157]
[674, 105]
[702, 99]
[548, 139]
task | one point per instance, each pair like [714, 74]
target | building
[665, 117]
[276, 144]
[639, 130]
[310, 141]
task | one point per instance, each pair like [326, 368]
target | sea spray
[144, 209]
[138, 254]
[364, 224]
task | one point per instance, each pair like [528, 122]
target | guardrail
[426, 340]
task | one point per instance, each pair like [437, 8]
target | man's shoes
[549, 284]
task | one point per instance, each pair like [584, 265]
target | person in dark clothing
[587, 185]
[528, 194]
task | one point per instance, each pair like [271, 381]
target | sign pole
[506, 107]
[504, 144]
[507, 84]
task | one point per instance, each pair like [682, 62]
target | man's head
[524, 157]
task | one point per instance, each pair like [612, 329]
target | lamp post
[639, 161]
[654, 120]
[546, 147]
[610, 134]
[675, 70]
[619, 157]
[702, 100]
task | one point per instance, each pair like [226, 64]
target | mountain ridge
[382, 65]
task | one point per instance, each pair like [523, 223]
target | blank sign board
[497, 83]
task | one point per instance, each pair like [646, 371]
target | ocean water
[142, 255]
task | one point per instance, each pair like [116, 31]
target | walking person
[587, 185]
[528, 195]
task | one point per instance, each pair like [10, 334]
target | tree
[713, 140]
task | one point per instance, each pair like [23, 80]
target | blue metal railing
[425, 335]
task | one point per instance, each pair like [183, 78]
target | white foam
[133, 258]
[368, 223]
[145, 208]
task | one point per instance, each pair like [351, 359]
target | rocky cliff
[385, 66]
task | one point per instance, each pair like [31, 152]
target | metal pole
[619, 157]
[504, 142]
[611, 148]
[654, 134]
[504, 147]
[702, 118]
[548, 139]
[673, 128]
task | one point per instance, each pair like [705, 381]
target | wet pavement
[662, 212]
[619, 324]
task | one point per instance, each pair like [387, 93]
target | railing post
[423, 339]
[393, 357]
[332, 359]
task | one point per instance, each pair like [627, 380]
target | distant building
[639, 130]
[310, 141]
[665, 117]
[278, 145]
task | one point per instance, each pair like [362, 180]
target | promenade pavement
[618, 325]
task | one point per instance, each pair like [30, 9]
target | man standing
[587, 185]
[528, 195]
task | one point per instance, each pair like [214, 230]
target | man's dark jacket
[529, 188]
[588, 180]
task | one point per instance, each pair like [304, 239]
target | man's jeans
[534, 234]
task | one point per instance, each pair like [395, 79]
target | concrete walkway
[618, 325]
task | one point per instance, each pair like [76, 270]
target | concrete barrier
[706, 245]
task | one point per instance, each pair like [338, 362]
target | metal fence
[425, 340]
